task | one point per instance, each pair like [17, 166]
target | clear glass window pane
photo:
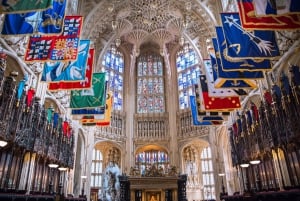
[207, 174]
[96, 168]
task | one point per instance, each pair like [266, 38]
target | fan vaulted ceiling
[165, 23]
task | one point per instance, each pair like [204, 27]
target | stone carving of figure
[111, 184]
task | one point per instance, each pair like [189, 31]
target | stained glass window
[113, 63]
[188, 71]
[208, 174]
[96, 168]
[150, 84]
[144, 160]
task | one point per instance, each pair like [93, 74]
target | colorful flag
[277, 7]
[68, 71]
[295, 75]
[217, 103]
[30, 96]
[203, 115]
[55, 120]
[21, 6]
[78, 114]
[49, 21]
[21, 87]
[90, 98]
[251, 21]
[194, 111]
[67, 129]
[83, 84]
[212, 91]
[240, 43]
[207, 115]
[99, 121]
[231, 79]
[62, 47]
[233, 63]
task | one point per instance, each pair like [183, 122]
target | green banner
[24, 6]
[90, 98]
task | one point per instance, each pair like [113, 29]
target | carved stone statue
[111, 184]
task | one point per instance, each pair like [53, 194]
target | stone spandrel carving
[18, 44]
[36, 67]
[285, 39]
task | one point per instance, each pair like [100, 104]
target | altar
[153, 188]
[162, 188]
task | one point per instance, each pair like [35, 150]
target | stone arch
[79, 169]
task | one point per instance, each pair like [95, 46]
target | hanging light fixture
[3, 143]
[53, 165]
[255, 162]
[244, 165]
[62, 169]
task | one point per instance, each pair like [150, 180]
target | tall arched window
[188, 71]
[96, 169]
[150, 84]
[113, 63]
[207, 174]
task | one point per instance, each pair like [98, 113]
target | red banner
[250, 21]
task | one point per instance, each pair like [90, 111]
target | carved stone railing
[185, 127]
[116, 129]
[151, 126]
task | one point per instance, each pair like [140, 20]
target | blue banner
[49, 21]
[98, 110]
[68, 71]
[232, 63]
[233, 79]
[194, 110]
[242, 43]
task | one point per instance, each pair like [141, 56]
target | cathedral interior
[152, 53]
